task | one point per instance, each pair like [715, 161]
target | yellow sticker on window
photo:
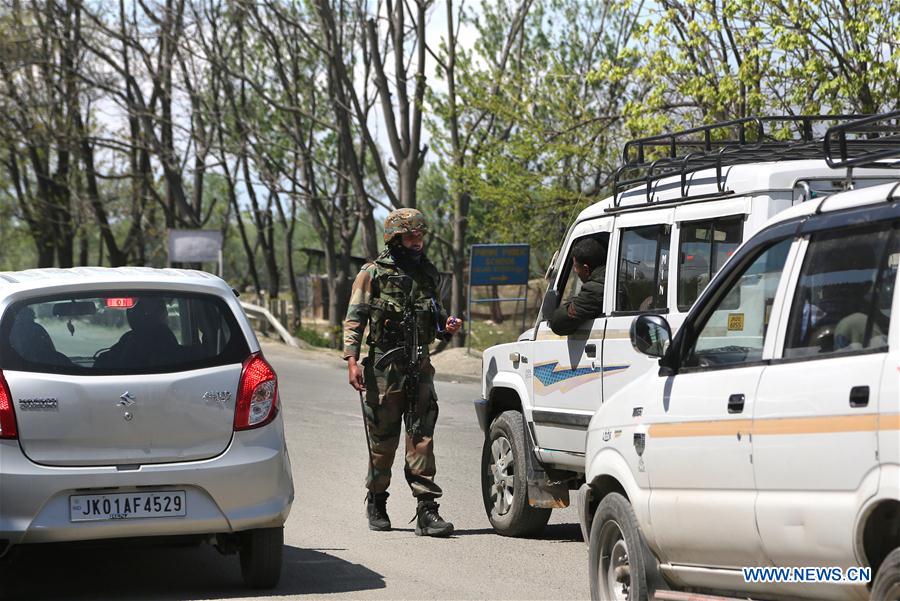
[735, 322]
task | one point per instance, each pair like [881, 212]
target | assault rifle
[408, 355]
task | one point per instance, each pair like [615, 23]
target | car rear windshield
[113, 332]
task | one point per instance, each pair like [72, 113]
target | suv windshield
[114, 332]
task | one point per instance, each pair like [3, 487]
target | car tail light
[7, 414]
[257, 399]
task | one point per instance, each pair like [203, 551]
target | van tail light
[257, 399]
[7, 414]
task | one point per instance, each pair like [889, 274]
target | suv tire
[261, 557]
[887, 580]
[504, 488]
[616, 546]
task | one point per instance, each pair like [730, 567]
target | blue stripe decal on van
[548, 375]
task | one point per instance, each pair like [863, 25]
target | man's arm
[563, 320]
[587, 304]
[447, 324]
[355, 324]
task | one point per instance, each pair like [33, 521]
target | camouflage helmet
[401, 221]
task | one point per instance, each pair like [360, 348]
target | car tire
[504, 488]
[887, 581]
[260, 554]
[619, 558]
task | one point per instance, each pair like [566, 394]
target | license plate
[126, 506]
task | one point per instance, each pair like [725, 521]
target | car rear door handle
[859, 396]
[590, 350]
[736, 403]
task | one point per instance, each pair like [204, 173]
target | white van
[669, 227]
[760, 455]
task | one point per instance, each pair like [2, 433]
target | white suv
[670, 226]
[135, 402]
[768, 435]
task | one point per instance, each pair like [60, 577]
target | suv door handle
[736, 403]
[859, 396]
[590, 350]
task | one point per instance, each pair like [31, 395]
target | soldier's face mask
[413, 241]
[407, 257]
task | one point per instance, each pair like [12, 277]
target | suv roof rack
[864, 142]
[752, 140]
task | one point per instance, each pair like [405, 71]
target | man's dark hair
[590, 252]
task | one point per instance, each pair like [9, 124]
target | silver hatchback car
[135, 402]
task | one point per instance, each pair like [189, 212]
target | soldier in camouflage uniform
[377, 301]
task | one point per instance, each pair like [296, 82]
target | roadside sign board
[499, 264]
[194, 246]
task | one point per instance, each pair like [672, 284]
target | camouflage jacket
[377, 302]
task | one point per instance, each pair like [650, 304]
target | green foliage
[433, 199]
[543, 111]
[313, 337]
[15, 239]
[713, 60]
[486, 334]
[541, 129]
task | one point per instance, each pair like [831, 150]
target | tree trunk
[83, 256]
[334, 293]
[245, 242]
[457, 294]
[496, 309]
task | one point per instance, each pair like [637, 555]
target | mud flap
[543, 493]
[583, 497]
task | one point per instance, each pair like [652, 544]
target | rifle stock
[395, 354]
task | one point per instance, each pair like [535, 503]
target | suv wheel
[887, 580]
[261, 557]
[503, 483]
[618, 556]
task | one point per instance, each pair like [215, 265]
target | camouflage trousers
[385, 407]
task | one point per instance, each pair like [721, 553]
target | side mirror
[551, 301]
[549, 273]
[650, 335]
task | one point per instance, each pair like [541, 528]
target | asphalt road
[329, 551]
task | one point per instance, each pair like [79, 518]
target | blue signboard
[499, 264]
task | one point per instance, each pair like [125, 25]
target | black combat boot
[376, 510]
[429, 522]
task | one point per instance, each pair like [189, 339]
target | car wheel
[887, 581]
[503, 482]
[261, 557]
[618, 555]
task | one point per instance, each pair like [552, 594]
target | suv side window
[843, 298]
[703, 247]
[642, 281]
[735, 330]
[569, 283]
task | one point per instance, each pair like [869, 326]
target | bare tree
[38, 115]
[316, 167]
[402, 113]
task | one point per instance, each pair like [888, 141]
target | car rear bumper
[248, 486]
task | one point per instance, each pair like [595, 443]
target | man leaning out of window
[589, 264]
